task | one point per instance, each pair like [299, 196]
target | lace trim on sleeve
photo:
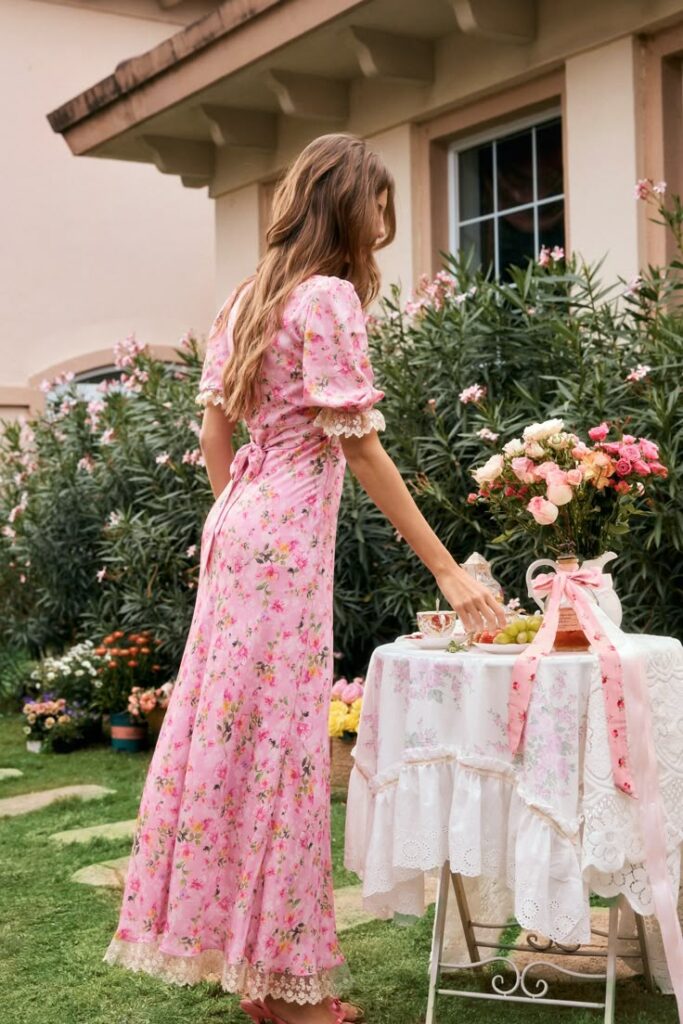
[348, 423]
[212, 395]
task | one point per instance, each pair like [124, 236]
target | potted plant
[344, 718]
[149, 705]
[73, 676]
[128, 661]
[52, 724]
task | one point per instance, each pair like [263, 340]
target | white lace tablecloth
[433, 780]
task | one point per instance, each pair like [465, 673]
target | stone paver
[112, 830]
[108, 874]
[25, 802]
[10, 773]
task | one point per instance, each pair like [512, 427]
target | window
[507, 194]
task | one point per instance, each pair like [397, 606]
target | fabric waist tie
[247, 462]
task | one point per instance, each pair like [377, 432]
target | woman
[230, 876]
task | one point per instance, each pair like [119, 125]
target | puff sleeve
[216, 355]
[337, 374]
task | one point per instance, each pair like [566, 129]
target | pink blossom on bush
[642, 468]
[544, 512]
[623, 487]
[574, 477]
[623, 467]
[474, 393]
[642, 188]
[544, 256]
[630, 452]
[547, 469]
[639, 373]
[599, 433]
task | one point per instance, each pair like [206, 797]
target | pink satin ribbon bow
[574, 587]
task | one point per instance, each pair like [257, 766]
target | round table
[434, 782]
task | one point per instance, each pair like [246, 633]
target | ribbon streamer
[574, 586]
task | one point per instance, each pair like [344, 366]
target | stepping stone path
[112, 830]
[348, 900]
[25, 802]
[9, 773]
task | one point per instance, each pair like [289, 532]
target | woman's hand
[477, 608]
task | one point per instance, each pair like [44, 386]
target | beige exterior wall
[601, 157]
[396, 261]
[92, 250]
[237, 239]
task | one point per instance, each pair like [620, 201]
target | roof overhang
[229, 98]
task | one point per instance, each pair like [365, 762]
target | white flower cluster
[79, 661]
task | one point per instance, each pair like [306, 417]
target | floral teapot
[606, 597]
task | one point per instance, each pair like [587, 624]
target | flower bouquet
[128, 659]
[344, 718]
[576, 497]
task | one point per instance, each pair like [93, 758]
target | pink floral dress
[230, 876]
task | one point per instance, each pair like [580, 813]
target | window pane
[551, 224]
[516, 238]
[549, 157]
[475, 177]
[480, 238]
[515, 176]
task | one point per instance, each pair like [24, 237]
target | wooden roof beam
[310, 96]
[193, 161]
[387, 55]
[509, 21]
[232, 126]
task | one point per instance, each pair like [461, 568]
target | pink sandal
[261, 1014]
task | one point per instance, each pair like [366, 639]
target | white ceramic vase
[34, 746]
[606, 597]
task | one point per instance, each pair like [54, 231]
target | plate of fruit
[517, 635]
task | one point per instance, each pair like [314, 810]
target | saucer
[428, 643]
[501, 648]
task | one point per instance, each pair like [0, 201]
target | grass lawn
[53, 932]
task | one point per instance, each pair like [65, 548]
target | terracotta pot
[127, 733]
[341, 761]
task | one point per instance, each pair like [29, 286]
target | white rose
[534, 450]
[539, 431]
[490, 472]
[560, 440]
[559, 493]
[514, 447]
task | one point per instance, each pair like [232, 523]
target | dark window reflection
[503, 188]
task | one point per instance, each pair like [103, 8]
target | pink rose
[558, 492]
[351, 692]
[339, 688]
[630, 452]
[544, 512]
[599, 433]
[642, 468]
[472, 498]
[612, 448]
[547, 469]
[524, 469]
[628, 439]
[580, 450]
[574, 477]
[649, 449]
[623, 467]
[659, 470]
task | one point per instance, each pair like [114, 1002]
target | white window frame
[536, 120]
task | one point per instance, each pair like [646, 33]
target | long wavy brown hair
[323, 210]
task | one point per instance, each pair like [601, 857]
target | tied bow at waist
[249, 458]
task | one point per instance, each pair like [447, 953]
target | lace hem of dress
[243, 978]
[212, 395]
[349, 423]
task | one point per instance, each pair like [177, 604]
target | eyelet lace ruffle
[349, 423]
[212, 395]
[243, 978]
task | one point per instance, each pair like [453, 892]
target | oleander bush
[102, 502]
[466, 365]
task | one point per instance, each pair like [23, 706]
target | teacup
[436, 623]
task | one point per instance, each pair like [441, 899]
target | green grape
[522, 638]
[501, 639]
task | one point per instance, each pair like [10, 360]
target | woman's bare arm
[379, 477]
[215, 441]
